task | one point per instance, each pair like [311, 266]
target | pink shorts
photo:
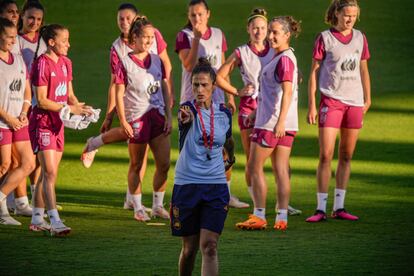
[267, 138]
[9, 136]
[246, 107]
[45, 136]
[334, 113]
[147, 127]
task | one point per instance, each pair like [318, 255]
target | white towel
[78, 121]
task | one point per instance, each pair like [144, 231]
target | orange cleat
[253, 223]
[281, 225]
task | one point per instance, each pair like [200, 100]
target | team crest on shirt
[15, 85]
[45, 139]
[212, 58]
[61, 89]
[65, 70]
[153, 87]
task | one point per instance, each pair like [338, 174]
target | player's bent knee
[209, 249]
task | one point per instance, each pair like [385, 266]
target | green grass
[107, 240]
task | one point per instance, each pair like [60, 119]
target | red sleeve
[238, 55]
[114, 60]
[319, 49]
[40, 73]
[224, 43]
[365, 51]
[181, 42]
[120, 75]
[161, 44]
[284, 70]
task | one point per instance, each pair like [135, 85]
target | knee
[325, 157]
[189, 253]
[136, 166]
[29, 167]
[209, 249]
[164, 167]
[345, 157]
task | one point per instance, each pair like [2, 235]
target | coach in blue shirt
[200, 197]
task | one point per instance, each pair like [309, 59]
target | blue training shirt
[193, 166]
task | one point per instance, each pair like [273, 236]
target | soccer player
[142, 103]
[276, 124]
[10, 11]
[15, 96]
[120, 48]
[200, 195]
[340, 65]
[196, 40]
[52, 82]
[250, 58]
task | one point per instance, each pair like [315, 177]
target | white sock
[95, 143]
[157, 199]
[3, 208]
[10, 200]
[2, 196]
[228, 186]
[128, 195]
[322, 199]
[260, 212]
[137, 201]
[339, 199]
[53, 216]
[250, 189]
[37, 215]
[21, 202]
[282, 214]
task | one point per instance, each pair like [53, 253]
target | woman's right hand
[312, 114]
[80, 109]
[14, 123]
[185, 115]
[127, 129]
[247, 90]
[197, 31]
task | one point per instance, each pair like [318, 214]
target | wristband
[23, 113]
[28, 102]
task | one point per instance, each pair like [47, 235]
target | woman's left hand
[367, 105]
[279, 130]
[231, 105]
[23, 119]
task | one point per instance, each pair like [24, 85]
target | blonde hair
[257, 13]
[337, 6]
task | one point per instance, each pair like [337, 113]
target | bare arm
[366, 84]
[110, 107]
[120, 91]
[166, 94]
[312, 87]
[168, 74]
[230, 97]
[284, 108]
[224, 73]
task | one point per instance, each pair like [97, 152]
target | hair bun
[259, 11]
[203, 61]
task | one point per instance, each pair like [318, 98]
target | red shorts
[267, 138]
[147, 127]
[334, 113]
[9, 136]
[246, 107]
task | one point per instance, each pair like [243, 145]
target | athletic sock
[260, 212]
[228, 186]
[282, 214]
[137, 201]
[2, 196]
[128, 195]
[322, 199]
[10, 201]
[3, 208]
[53, 216]
[95, 143]
[339, 199]
[21, 202]
[157, 199]
[37, 215]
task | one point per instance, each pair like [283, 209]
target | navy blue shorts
[198, 206]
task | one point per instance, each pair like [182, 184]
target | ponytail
[139, 23]
[46, 33]
[289, 24]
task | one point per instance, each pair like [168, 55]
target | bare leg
[327, 138]
[208, 245]
[347, 145]
[245, 139]
[280, 165]
[188, 255]
[160, 147]
[50, 160]
[137, 153]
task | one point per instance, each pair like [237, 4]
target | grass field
[105, 238]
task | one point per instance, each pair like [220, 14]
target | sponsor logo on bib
[153, 87]
[349, 63]
[15, 85]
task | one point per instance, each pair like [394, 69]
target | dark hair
[337, 6]
[139, 23]
[258, 12]
[128, 6]
[5, 3]
[289, 24]
[29, 4]
[193, 3]
[204, 66]
[46, 33]
[5, 23]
